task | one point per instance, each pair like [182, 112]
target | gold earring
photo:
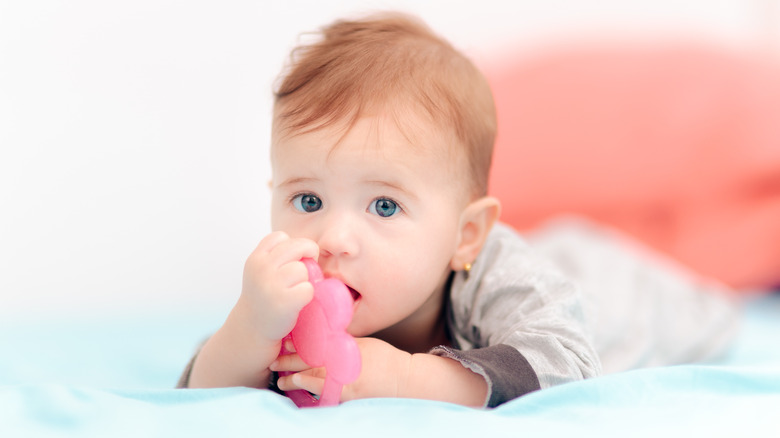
[467, 267]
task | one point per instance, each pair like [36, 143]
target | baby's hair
[391, 64]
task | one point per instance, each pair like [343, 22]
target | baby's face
[384, 212]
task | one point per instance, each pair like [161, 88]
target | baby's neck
[414, 343]
[417, 336]
[424, 329]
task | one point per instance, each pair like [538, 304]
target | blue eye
[307, 203]
[383, 207]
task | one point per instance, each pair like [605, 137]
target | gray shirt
[517, 321]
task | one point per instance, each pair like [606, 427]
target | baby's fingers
[294, 249]
[300, 295]
[307, 381]
[292, 273]
[288, 363]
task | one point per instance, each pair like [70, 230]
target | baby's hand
[276, 284]
[384, 372]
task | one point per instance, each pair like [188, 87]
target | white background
[134, 135]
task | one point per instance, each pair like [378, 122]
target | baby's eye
[383, 207]
[307, 203]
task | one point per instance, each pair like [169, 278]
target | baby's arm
[391, 372]
[441, 378]
[275, 288]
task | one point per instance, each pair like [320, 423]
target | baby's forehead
[387, 134]
[379, 145]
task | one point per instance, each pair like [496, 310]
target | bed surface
[113, 377]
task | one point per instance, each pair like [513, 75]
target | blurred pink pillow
[679, 147]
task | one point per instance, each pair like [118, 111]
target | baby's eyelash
[395, 201]
[292, 197]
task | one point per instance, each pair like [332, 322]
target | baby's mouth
[355, 294]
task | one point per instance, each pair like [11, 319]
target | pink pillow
[678, 146]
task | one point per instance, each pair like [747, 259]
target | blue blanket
[124, 390]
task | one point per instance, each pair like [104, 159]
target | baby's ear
[476, 221]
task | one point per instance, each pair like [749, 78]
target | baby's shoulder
[507, 261]
[505, 246]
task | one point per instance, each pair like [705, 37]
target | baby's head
[392, 66]
[381, 145]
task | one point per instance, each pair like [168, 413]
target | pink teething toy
[320, 337]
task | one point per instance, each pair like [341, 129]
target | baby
[381, 146]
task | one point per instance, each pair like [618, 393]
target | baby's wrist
[438, 378]
[407, 387]
[264, 320]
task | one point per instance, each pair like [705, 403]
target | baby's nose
[339, 236]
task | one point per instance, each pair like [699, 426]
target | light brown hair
[389, 63]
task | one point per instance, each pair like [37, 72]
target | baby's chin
[364, 322]
[354, 329]
[358, 329]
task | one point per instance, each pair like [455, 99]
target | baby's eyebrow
[296, 181]
[393, 186]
